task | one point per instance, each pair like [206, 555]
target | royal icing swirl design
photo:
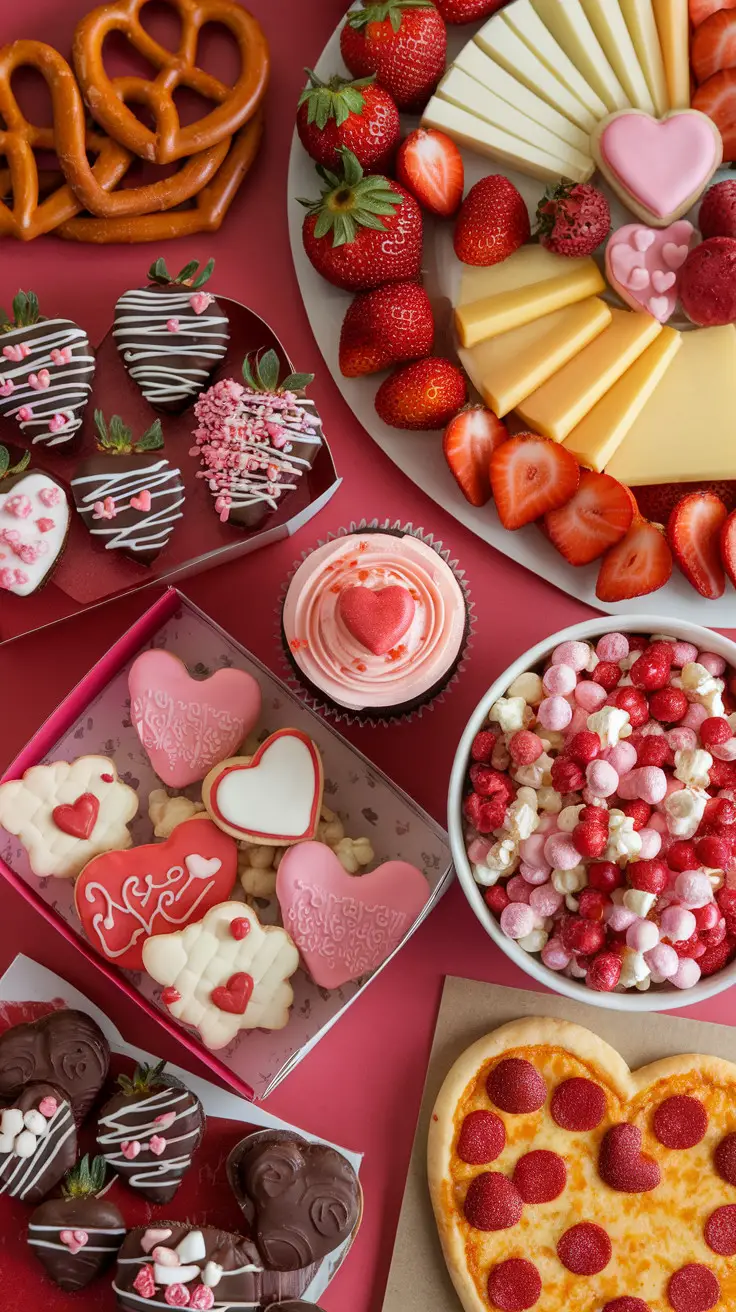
[192, 734]
[145, 1130]
[34, 521]
[130, 503]
[144, 900]
[168, 347]
[46, 372]
[334, 661]
[37, 1144]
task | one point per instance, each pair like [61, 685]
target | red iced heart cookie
[275, 797]
[622, 1164]
[235, 995]
[377, 617]
[79, 818]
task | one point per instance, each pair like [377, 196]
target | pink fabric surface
[362, 1085]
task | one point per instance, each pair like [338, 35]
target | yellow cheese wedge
[673, 25]
[528, 25]
[569, 25]
[687, 430]
[639, 16]
[498, 314]
[506, 369]
[528, 265]
[477, 64]
[604, 428]
[560, 404]
[462, 90]
[502, 44]
[485, 139]
[607, 21]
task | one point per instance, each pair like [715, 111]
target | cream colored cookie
[273, 797]
[659, 168]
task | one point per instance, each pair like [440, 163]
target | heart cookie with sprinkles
[563, 1181]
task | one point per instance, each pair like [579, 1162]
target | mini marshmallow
[622, 757]
[612, 647]
[517, 920]
[602, 778]
[559, 680]
[561, 853]
[7, 1143]
[642, 936]
[677, 924]
[529, 686]
[683, 653]
[36, 1123]
[533, 942]
[483, 875]
[509, 713]
[620, 919]
[577, 971]
[651, 784]
[555, 713]
[590, 696]
[638, 901]
[575, 654]
[568, 818]
[554, 955]
[521, 819]
[700, 686]
[694, 888]
[534, 875]
[662, 961]
[25, 1144]
[611, 724]
[545, 900]
[651, 843]
[693, 767]
[536, 774]
[715, 665]
[518, 889]
[687, 974]
[11, 1121]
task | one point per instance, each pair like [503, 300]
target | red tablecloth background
[362, 1085]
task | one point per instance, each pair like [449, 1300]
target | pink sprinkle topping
[172, 325]
[199, 301]
[10, 579]
[17, 353]
[19, 506]
[130, 1149]
[63, 356]
[144, 1283]
[57, 423]
[50, 496]
[7, 387]
[165, 1120]
[104, 509]
[25, 413]
[177, 1296]
[28, 552]
[40, 381]
[202, 1299]
[44, 525]
[48, 1107]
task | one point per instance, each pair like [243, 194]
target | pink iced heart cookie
[377, 617]
[188, 725]
[345, 926]
[658, 167]
[646, 273]
[272, 797]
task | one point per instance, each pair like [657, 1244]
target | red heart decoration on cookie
[623, 1165]
[377, 617]
[235, 995]
[275, 797]
[77, 818]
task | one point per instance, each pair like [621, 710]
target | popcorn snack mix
[600, 814]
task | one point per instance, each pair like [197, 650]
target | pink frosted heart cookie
[188, 725]
[643, 265]
[272, 797]
[345, 926]
[658, 167]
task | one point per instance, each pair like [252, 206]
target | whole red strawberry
[493, 222]
[423, 395]
[467, 11]
[363, 231]
[717, 216]
[404, 42]
[384, 327]
[573, 219]
[359, 115]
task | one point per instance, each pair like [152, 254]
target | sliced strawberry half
[728, 546]
[713, 46]
[468, 444]
[594, 519]
[531, 475]
[640, 563]
[717, 99]
[693, 532]
[702, 9]
[430, 166]
[657, 500]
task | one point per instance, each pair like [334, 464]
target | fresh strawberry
[728, 546]
[640, 563]
[573, 219]
[693, 532]
[386, 326]
[404, 42]
[422, 395]
[717, 99]
[467, 11]
[658, 500]
[713, 46]
[359, 115]
[468, 444]
[594, 519]
[363, 231]
[493, 222]
[529, 476]
[702, 9]
[717, 216]
[430, 166]
[708, 283]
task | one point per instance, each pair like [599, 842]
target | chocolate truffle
[65, 1048]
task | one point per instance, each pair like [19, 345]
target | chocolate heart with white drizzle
[171, 335]
[77, 1236]
[46, 371]
[149, 1131]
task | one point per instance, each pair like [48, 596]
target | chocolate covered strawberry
[46, 370]
[357, 114]
[404, 42]
[386, 326]
[76, 1237]
[149, 1131]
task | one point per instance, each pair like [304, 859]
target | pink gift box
[95, 712]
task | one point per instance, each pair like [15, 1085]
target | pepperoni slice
[482, 1138]
[578, 1105]
[725, 1159]
[493, 1202]
[693, 1288]
[516, 1087]
[585, 1249]
[680, 1122]
[622, 1164]
[720, 1231]
[514, 1285]
[627, 1304]
[540, 1176]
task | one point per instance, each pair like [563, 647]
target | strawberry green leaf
[86, 1179]
[296, 383]
[268, 371]
[391, 9]
[4, 461]
[204, 276]
[187, 272]
[352, 202]
[25, 309]
[159, 273]
[338, 99]
[152, 439]
[248, 374]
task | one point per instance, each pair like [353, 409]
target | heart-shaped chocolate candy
[66, 1048]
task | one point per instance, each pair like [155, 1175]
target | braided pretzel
[170, 141]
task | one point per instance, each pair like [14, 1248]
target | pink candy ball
[659, 823]
[715, 665]
[578, 722]
[534, 875]
[602, 778]
[694, 716]
[663, 960]
[517, 920]
[518, 889]
[682, 739]
[687, 974]
[555, 713]
[576, 654]
[620, 918]
[651, 784]
[561, 853]
[478, 851]
[651, 843]
[560, 679]
[684, 653]
[642, 936]
[622, 757]
[724, 751]
[612, 647]
[677, 924]
[554, 955]
[590, 696]
[546, 901]
[695, 890]
[628, 786]
[531, 850]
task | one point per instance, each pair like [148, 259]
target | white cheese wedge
[640, 20]
[673, 25]
[530, 264]
[609, 25]
[477, 64]
[687, 430]
[568, 23]
[483, 137]
[464, 91]
[528, 25]
[502, 44]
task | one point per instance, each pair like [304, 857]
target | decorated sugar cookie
[34, 526]
[76, 1237]
[46, 371]
[188, 725]
[644, 265]
[657, 167]
[38, 1142]
[272, 797]
[122, 898]
[149, 1131]
[68, 812]
[225, 973]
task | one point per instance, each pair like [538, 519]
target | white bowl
[663, 997]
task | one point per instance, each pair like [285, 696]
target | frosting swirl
[328, 653]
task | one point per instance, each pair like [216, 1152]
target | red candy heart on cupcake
[377, 617]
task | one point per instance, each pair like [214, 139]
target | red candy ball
[639, 812]
[582, 937]
[604, 973]
[590, 840]
[668, 705]
[567, 776]
[592, 904]
[584, 747]
[661, 651]
[607, 674]
[605, 877]
[633, 701]
[484, 814]
[649, 673]
[715, 730]
[654, 750]
[682, 856]
[496, 898]
[713, 851]
[482, 746]
[525, 747]
[649, 876]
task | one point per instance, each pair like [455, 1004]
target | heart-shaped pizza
[563, 1181]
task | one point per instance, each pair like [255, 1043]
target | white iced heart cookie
[225, 973]
[67, 813]
[273, 797]
[658, 167]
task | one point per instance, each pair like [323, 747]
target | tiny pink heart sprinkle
[172, 325]
[662, 282]
[130, 1149]
[165, 1120]
[638, 280]
[659, 306]
[33, 381]
[48, 1107]
[643, 239]
[81, 1237]
[157, 1145]
[57, 423]
[142, 501]
[44, 525]
[199, 301]
[674, 256]
[7, 388]
[165, 1257]
[25, 413]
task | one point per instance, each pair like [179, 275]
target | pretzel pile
[86, 202]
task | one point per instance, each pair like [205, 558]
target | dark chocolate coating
[100, 1220]
[169, 379]
[295, 1305]
[66, 1048]
[32, 1178]
[139, 534]
[69, 386]
[156, 1176]
[301, 1200]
